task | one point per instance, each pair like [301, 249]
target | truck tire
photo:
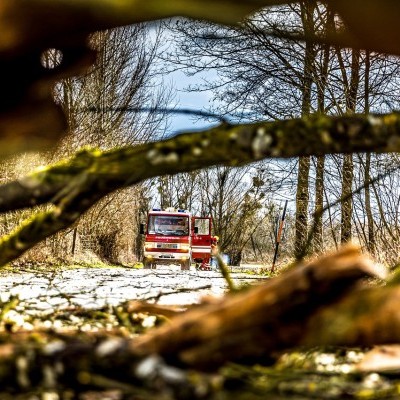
[185, 265]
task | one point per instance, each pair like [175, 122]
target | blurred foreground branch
[318, 303]
[29, 118]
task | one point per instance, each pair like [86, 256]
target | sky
[187, 100]
[181, 98]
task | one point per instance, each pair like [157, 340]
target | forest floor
[49, 288]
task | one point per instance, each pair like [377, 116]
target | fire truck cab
[176, 237]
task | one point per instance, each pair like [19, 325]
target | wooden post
[279, 236]
[75, 231]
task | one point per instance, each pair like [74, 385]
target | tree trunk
[319, 204]
[74, 234]
[367, 167]
[235, 257]
[368, 207]
[319, 179]
[302, 197]
[302, 194]
[347, 203]
[348, 165]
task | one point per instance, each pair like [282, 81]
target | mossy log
[270, 317]
[75, 185]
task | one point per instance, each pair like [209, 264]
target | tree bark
[302, 199]
[347, 204]
[199, 338]
[348, 165]
[367, 167]
[302, 192]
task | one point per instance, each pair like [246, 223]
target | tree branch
[224, 144]
[75, 185]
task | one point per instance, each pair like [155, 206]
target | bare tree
[98, 104]
[103, 110]
[266, 82]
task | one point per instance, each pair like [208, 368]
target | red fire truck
[176, 237]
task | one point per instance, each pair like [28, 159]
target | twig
[224, 270]
[176, 291]
[159, 110]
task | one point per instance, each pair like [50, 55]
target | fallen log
[365, 317]
[294, 309]
[250, 326]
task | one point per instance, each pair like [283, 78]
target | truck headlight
[185, 246]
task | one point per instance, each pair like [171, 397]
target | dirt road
[95, 287]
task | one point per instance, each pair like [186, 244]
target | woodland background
[254, 73]
[303, 111]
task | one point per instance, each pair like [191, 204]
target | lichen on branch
[73, 186]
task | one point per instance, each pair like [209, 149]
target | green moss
[74, 185]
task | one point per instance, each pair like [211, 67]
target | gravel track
[94, 287]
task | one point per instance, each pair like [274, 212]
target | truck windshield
[168, 225]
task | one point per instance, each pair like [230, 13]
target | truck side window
[202, 225]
